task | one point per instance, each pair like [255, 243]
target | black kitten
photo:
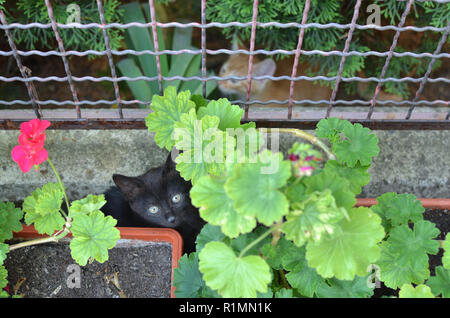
[158, 198]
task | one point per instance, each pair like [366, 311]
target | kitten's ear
[265, 68]
[170, 164]
[130, 187]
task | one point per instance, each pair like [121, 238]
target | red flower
[34, 128]
[30, 150]
[293, 157]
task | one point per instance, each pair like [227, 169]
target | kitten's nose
[171, 219]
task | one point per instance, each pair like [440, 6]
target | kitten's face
[160, 197]
[237, 65]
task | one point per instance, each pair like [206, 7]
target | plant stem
[284, 281]
[259, 239]
[277, 233]
[53, 238]
[304, 135]
[62, 187]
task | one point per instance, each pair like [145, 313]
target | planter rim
[438, 203]
[131, 233]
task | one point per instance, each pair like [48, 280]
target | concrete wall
[417, 162]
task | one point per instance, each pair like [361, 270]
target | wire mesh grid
[308, 119]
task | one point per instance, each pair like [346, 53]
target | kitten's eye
[153, 209]
[176, 198]
[234, 81]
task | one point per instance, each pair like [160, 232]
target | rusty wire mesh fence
[124, 117]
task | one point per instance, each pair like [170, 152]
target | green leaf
[141, 39]
[248, 140]
[284, 293]
[255, 188]
[440, 284]
[357, 176]
[229, 115]
[273, 254]
[243, 240]
[339, 187]
[87, 205]
[167, 110]
[268, 294]
[356, 288]
[233, 276]
[180, 64]
[351, 249]
[330, 128]
[187, 279]
[217, 208]
[403, 208]
[203, 146]
[414, 244]
[199, 101]
[42, 208]
[10, 217]
[404, 256]
[194, 69]
[4, 249]
[317, 216]
[360, 146]
[209, 233]
[302, 277]
[446, 256]
[420, 291]
[396, 271]
[382, 207]
[296, 192]
[142, 90]
[44, 201]
[181, 39]
[45, 224]
[93, 235]
[3, 277]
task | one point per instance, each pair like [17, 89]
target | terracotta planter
[143, 234]
[439, 203]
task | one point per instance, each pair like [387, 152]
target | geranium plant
[288, 227]
[93, 233]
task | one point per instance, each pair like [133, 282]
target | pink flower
[305, 171]
[27, 157]
[33, 129]
[30, 151]
[309, 158]
[293, 157]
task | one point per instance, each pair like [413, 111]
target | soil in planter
[133, 270]
[441, 218]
